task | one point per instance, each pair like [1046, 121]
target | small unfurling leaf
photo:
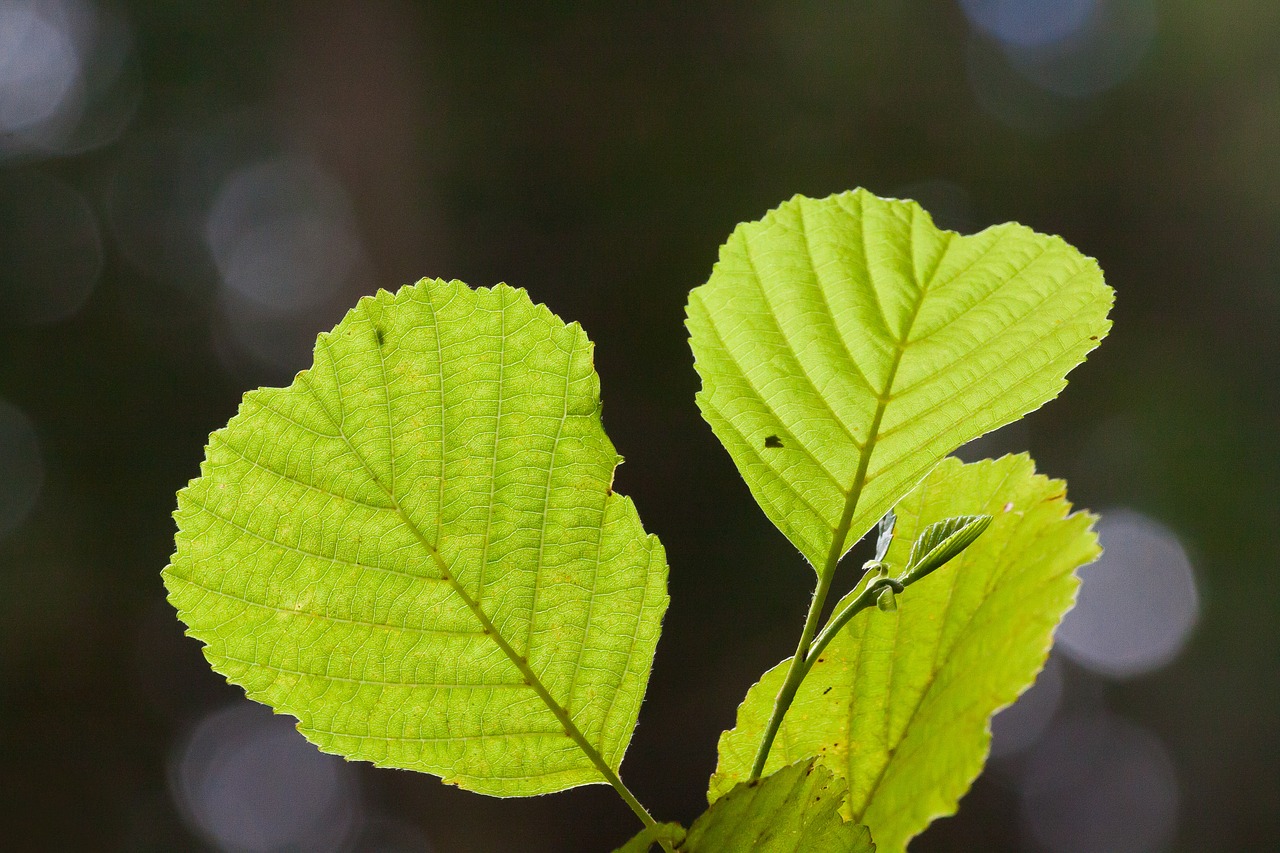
[941, 542]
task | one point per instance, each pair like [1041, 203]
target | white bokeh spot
[1138, 603]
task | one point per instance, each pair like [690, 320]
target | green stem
[796, 672]
[864, 599]
[807, 654]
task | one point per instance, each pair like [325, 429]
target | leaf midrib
[854, 495]
[519, 661]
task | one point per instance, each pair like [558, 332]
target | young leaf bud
[942, 541]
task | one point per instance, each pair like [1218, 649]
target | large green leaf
[796, 810]
[847, 345]
[899, 703]
[415, 549]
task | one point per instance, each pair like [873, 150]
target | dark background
[190, 191]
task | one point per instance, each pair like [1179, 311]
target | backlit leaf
[899, 703]
[941, 542]
[795, 810]
[651, 837]
[415, 550]
[846, 345]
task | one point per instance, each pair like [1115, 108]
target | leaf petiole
[934, 548]
[864, 599]
[795, 674]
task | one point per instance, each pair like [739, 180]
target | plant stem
[636, 806]
[807, 652]
[865, 599]
[798, 669]
[795, 674]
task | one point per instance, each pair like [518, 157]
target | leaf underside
[900, 703]
[795, 810]
[378, 547]
[846, 346]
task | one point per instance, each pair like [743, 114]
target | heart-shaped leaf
[415, 550]
[846, 345]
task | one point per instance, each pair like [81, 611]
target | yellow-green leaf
[846, 345]
[900, 702]
[795, 810]
[415, 550]
[670, 834]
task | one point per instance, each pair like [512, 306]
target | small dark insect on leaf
[825, 692]
[380, 336]
[773, 441]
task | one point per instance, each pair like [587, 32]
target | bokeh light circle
[67, 83]
[282, 235]
[21, 467]
[1099, 784]
[248, 781]
[1138, 603]
[1029, 22]
[40, 68]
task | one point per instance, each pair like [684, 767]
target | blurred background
[189, 192]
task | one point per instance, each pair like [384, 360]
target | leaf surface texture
[795, 810]
[846, 345]
[899, 703]
[415, 550]
[652, 836]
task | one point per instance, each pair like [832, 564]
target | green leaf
[795, 810]
[415, 550]
[941, 542]
[846, 345]
[644, 841]
[899, 703]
